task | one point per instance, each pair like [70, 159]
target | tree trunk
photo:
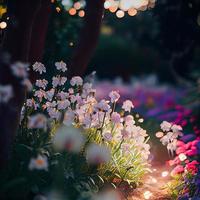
[88, 37]
[25, 17]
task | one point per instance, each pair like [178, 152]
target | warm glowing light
[3, 25]
[125, 4]
[72, 11]
[107, 4]
[120, 13]
[165, 174]
[71, 44]
[113, 9]
[159, 134]
[81, 13]
[58, 9]
[154, 180]
[132, 12]
[182, 157]
[77, 5]
[147, 195]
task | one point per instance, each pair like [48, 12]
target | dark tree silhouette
[88, 37]
[24, 41]
[179, 33]
[28, 18]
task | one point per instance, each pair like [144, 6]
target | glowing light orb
[147, 194]
[159, 134]
[81, 13]
[77, 5]
[3, 25]
[72, 11]
[120, 13]
[132, 12]
[165, 174]
[182, 157]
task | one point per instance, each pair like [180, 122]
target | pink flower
[114, 96]
[115, 118]
[191, 167]
[192, 152]
[179, 169]
[180, 144]
[127, 105]
[180, 150]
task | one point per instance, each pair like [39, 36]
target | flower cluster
[186, 160]
[169, 136]
[79, 123]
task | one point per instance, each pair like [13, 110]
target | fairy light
[132, 12]
[120, 13]
[165, 174]
[159, 134]
[72, 11]
[147, 194]
[113, 9]
[81, 13]
[58, 9]
[77, 5]
[71, 44]
[107, 4]
[182, 157]
[3, 25]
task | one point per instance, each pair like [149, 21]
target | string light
[132, 12]
[72, 11]
[81, 13]
[130, 6]
[147, 194]
[120, 13]
[165, 174]
[3, 25]
[182, 157]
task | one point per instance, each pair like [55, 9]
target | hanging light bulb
[120, 13]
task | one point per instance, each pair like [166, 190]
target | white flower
[176, 128]
[96, 154]
[6, 93]
[165, 126]
[62, 95]
[61, 66]
[39, 163]
[39, 67]
[129, 120]
[102, 105]
[107, 136]
[32, 104]
[41, 83]
[37, 121]
[87, 121]
[115, 118]
[76, 81]
[69, 139]
[58, 81]
[63, 104]
[40, 94]
[127, 105]
[125, 134]
[69, 118]
[20, 69]
[54, 113]
[114, 96]
[107, 195]
[49, 94]
[27, 83]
